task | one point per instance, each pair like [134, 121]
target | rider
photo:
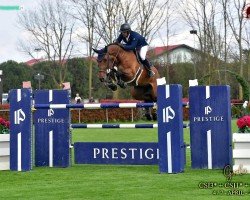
[134, 41]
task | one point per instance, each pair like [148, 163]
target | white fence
[4, 151]
[241, 152]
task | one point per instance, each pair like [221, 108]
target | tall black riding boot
[147, 65]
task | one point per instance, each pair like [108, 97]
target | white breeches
[143, 52]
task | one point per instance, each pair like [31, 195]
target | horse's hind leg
[144, 93]
[151, 113]
[148, 115]
[154, 99]
[154, 113]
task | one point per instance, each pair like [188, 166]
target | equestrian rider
[135, 41]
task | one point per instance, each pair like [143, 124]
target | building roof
[157, 51]
[32, 61]
[35, 61]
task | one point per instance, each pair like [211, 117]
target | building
[172, 54]
[33, 61]
[180, 53]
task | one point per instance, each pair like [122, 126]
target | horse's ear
[96, 51]
[105, 49]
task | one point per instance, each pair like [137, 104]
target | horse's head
[106, 62]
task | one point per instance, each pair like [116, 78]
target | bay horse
[118, 66]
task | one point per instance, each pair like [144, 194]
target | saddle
[137, 56]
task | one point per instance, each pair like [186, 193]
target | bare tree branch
[51, 30]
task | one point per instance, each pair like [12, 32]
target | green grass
[114, 182]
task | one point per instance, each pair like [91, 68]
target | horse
[121, 67]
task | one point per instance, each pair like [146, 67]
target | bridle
[109, 67]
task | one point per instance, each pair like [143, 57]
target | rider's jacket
[134, 41]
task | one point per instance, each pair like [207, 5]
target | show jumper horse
[118, 66]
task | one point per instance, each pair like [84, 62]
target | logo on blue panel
[125, 153]
[208, 110]
[51, 119]
[168, 114]
[50, 112]
[207, 116]
[19, 116]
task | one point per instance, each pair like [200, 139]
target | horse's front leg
[151, 113]
[110, 84]
[120, 82]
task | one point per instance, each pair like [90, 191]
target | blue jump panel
[52, 137]
[135, 153]
[20, 130]
[210, 126]
[170, 129]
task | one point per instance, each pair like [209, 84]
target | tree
[151, 16]
[50, 30]
[224, 4]
[236, 22]
[14, 74]
[165, 36]
[206, 16]
[107, 20]
[84, 11]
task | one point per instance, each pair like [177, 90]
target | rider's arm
[119, 39]
[131, 46]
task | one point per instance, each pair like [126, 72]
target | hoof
[154, 117]
[122, 85]
[112, 86]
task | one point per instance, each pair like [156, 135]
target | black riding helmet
[125, 27]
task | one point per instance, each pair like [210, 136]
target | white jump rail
[241, 151]
[4, 151]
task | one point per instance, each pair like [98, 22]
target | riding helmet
[125, 27]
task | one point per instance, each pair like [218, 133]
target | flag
[26, 84]
[66, 85]
[246, 10]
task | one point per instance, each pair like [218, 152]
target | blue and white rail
[101, 126]
[94, 105]
[97, 105]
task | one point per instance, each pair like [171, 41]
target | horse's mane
[120, 47]
[128, 55]
[102, 52]
[116, 44]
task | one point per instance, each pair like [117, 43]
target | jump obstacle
[210, 131]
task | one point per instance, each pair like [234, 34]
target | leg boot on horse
[120, 82]
[111, 85]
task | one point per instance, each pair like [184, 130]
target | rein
[114, 59]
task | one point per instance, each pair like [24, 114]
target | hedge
[104, 115]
